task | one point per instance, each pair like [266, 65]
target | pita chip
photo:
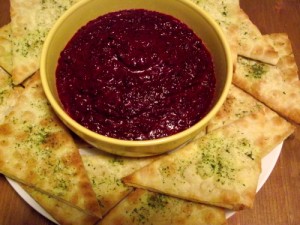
[30, 24]
[37, 150]
[105, 172]
[145, 207]
[221, 168]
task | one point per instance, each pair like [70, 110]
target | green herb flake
[157, 201]
[256, 70]
[117, 161]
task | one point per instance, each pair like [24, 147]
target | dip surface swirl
[136, 75]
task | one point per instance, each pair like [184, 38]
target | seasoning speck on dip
[136, 75]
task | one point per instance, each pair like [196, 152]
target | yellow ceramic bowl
[87, 10]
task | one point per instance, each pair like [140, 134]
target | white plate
[268, 164]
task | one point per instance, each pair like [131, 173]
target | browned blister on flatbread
[37, 150]
[220, 168]
[144, 207]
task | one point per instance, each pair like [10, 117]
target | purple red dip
[136, 75]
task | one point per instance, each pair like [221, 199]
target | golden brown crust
[41, 153]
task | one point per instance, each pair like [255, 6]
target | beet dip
[136, 75]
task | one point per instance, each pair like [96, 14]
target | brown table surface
[278, 202]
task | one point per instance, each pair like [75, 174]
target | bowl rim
[136, 143]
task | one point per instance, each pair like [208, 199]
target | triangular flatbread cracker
[37, 150]
[5, 48]
[63, 213]
[269, 85]
[276, 86]
[105, 172]
[243, 36]
[144, 207]
[287, 63]
[221, 168]
[31, 21]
